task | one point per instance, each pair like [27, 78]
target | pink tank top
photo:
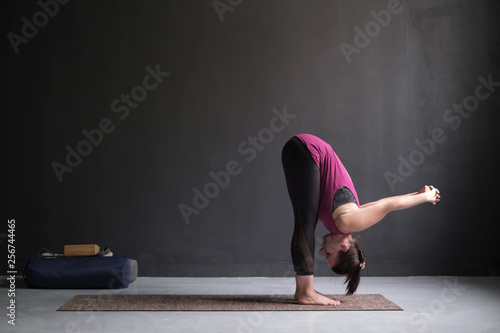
[333, 176]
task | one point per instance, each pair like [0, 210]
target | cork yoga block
[81, 250]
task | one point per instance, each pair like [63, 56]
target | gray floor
[431, 304]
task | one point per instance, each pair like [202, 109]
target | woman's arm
[368, 204]
[370, 214]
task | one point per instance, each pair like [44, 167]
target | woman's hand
[431, 194]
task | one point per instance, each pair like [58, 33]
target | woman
[321, 189]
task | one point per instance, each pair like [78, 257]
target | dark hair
[350, 263]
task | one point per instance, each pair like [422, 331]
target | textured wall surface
[156, 128]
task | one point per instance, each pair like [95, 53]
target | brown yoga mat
[362, 302]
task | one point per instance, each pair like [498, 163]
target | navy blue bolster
[78, 273]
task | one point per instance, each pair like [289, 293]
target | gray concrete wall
[156, 127]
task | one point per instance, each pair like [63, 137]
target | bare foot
[314, 298]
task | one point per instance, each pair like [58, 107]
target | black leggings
[303, 183]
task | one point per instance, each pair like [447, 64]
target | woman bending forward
[321, 189]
